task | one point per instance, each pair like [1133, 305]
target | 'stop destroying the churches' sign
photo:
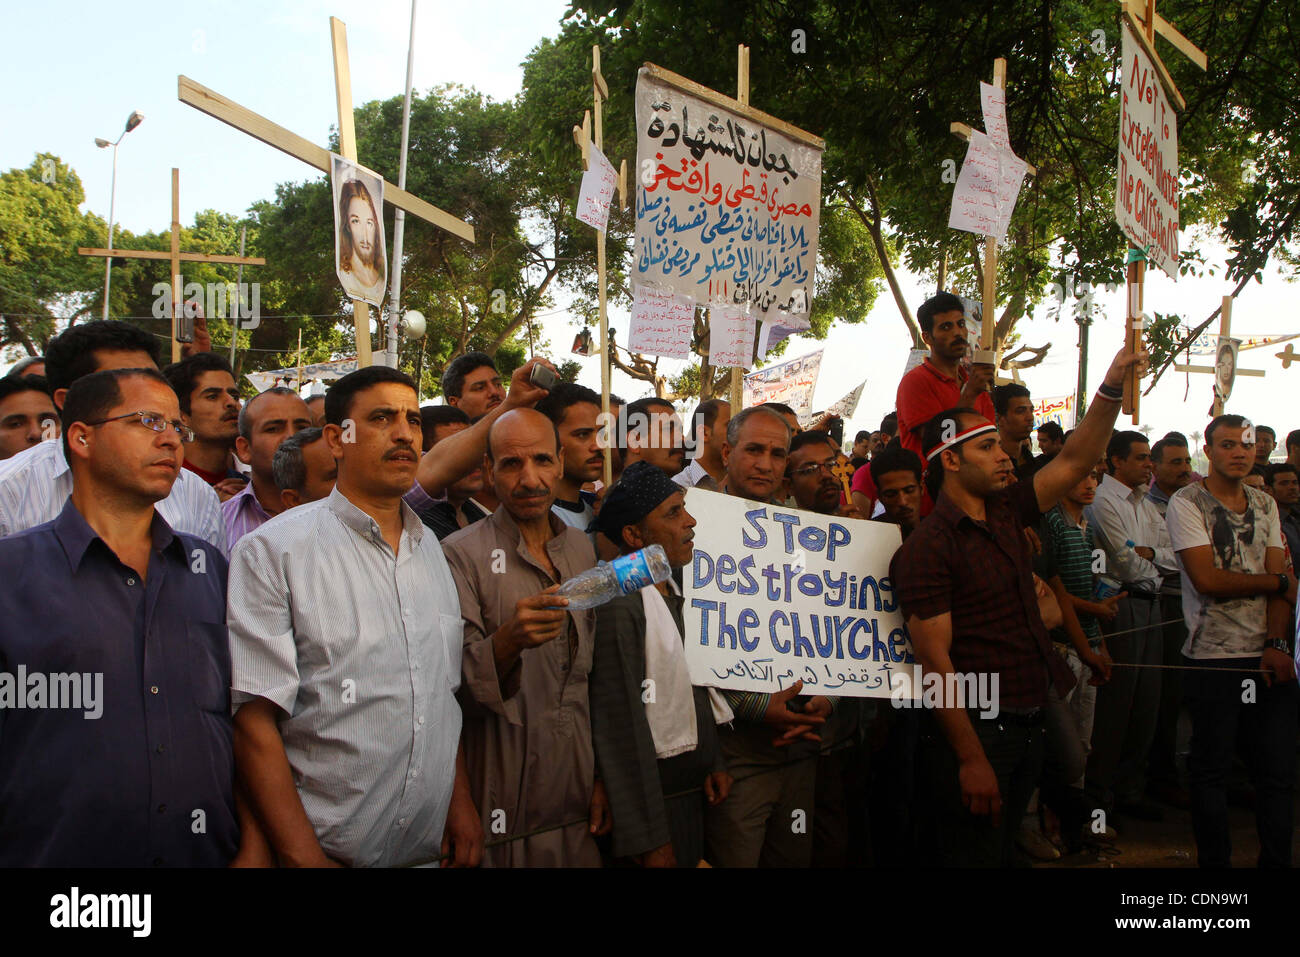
[727, 209]
[1146, 196]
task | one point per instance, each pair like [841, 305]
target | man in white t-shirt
[1237, 600]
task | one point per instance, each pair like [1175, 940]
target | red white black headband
[961, 437]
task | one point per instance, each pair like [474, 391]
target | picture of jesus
[1225, 368]
[359, 254]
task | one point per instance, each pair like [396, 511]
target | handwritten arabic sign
[987, 188]
[1146, 198]
[662, 323]
[726, 210]
[791, 383]
[597, 190]
[774, 595]
[1056, 408]
[731, 338]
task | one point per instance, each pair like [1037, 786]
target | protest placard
[731, 338]
[662, 323]
[597, 190]
[993, 106]
[987, 188]
[727, 210]
[844, 407]
[1055, 408]
[792, 383]
[1146, 197]
[776, 595]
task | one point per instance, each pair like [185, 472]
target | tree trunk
[874, 227]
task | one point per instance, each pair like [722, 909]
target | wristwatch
[1283, 583]
[1282, 645]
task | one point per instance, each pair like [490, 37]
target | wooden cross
[1225, 332]
[1146, 23]
[1288, 355]
[246, 121]
[736, 391]
[177, 257]
[843, 471]
[986, 352]
[582, 135]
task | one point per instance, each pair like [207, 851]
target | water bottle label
[633, 572]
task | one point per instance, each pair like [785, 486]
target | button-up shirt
[127, 761]
[1119, 514]
[696, 475]
[982, 574]
[36, 482]
[360, 649]
[242, 513]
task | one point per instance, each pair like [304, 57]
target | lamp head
[101, 143]
[413, 324]
[134, 120]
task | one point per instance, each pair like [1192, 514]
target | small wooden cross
[843, 471]
[177, 257]
[1225, 332]
[1288, 355]
[246, 121]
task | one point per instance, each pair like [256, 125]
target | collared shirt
[1291, 533]
[360, 649]
[1119, 514]
[242, 513]
[577, 514]
[527, 739]
[121, 781]
[982, 574]
[36, 482]
[1070, 546]
[925, 392]
[441, 516]
[696, 476]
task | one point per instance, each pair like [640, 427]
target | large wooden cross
[987, 349]
[246, 121]
[1225, 332]
[177, 257]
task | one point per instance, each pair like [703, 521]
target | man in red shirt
[939, 382]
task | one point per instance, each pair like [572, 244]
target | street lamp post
[132, 121]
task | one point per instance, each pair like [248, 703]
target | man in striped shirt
[35, 484]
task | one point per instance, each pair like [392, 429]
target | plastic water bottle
[622, 576]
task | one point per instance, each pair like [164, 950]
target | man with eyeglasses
[810, 470]
[130, 742]
[35, 484]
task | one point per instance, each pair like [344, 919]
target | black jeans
[1015, 751]
[1268, 731]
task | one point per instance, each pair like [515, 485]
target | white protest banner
[844, 407]
[731, 338]
[1146, 197]
[993, 106]
[987, 188]
[776, 595]
[662, 323]
[914, 358]
[1056, 408]
[597, 190]
[727, 210]
[791, 383]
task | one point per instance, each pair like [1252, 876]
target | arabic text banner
[791, 383]
[776, 595]
[1055, 408]
[727, 211]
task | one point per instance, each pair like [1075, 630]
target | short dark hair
[71, 354]
[706, 413]
[1271, 472]
[91, 397]
[246, 410]
[1292, 439]
[640, 406]
[1268, 429]
[22, 365]
[555, 404]
[895, 458]
[1182, 439]
[184, 375]
[1230, 419]
[862, 436]
[1121, 445]
[288, 468]
[432, 416]
[13, 385]
[889, 424]
[932, 436]
[782, 408]
[1169, 441]
[453, 377]
[338, 401]
[942, 302]
[1053, 431]
[811, 437]
[1003, 394]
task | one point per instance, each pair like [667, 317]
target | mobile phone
[185, 322]
[542, 377]
[836, 431]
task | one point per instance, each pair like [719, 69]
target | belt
[1142, 595]
[1023, 719]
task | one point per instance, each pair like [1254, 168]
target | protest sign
[791, 383]
[987, 188]
[731, 338]
[1057, 408]
[727, 209]
[993, 105]
[662, 323]
[844, 408]
[776, 595]
[597, 190]
[1146, 198]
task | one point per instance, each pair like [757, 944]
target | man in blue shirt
[115, 730]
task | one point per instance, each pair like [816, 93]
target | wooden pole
[599, 90]
[737, 391]
[348, 150]
[1133, 334]
[297, 382]
[176, 262]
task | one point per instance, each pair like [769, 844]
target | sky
[82, 67]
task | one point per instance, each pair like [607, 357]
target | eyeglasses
[813, 467]
[154, 421]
